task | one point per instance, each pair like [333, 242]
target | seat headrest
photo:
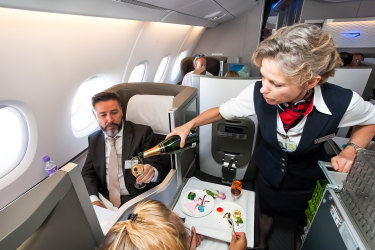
[151, 110]
[213, 64]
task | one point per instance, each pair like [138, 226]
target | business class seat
[213, 64]
[163, 107]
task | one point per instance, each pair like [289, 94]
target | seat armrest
[184, 97]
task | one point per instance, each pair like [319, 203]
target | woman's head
[151, 226]
[231, 73]
[303, 51]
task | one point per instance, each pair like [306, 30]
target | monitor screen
[242, 69]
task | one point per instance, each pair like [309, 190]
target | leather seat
[213, 64]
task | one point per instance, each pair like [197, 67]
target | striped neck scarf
[292, 113]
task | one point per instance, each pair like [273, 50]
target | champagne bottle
[171, 145]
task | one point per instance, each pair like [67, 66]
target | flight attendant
[297, 111]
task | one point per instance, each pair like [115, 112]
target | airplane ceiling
[208, 13]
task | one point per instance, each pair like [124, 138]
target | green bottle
[171, 145]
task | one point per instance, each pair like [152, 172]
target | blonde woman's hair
[303, 51]
[153, 226]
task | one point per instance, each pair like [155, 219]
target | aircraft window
[161, 69]
[13, 144]
[176, 67]
[83, 120]
[138, 73]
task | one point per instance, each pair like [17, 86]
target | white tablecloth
[207, 225]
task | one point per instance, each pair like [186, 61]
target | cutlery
[230, 221]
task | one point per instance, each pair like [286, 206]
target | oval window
[14, 138]
[83, 120]
[161, 69]
[176, 68]
[138, 73]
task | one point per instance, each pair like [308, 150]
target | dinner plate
[191, 207]
[230, 207]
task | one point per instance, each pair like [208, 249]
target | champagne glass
[137, 170]
[236, 189]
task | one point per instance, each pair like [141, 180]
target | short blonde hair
[155, 227]
[303, 51]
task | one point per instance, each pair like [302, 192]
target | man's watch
[355, 146]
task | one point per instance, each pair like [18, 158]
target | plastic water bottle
[49, 165]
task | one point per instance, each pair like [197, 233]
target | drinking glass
[137, 170]
[236, 188]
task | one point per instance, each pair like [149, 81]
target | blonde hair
[303, 51]
[155, 227]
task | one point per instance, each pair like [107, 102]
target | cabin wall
[44, 59]
[239, 37]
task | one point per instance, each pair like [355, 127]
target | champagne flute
[137, 170]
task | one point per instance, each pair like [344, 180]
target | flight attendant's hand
[343, 161]
[238, 242]
[183, 131]
[148, 174]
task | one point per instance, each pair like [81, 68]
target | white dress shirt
[359, 112]
[123, 190]
[188, 78]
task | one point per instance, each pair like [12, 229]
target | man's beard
[111, 132]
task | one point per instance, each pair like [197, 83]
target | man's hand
[99, 204]
[238, 242]
[148, 174]
[343, 161]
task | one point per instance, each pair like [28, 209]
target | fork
[227, 215]
[231, 223]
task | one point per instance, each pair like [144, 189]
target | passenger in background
[152, 225]
[232, 73]
[199, 65]
[111, 176]
[346, 58]
[297, 111]
[357, 59]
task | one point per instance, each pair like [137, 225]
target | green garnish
[210, 193]
[239, 221]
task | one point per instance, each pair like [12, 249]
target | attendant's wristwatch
[355, 146]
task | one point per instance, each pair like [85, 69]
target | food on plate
[201, 209]
[219, 210]
[238, 221]
[191, 196]
[198, 202]
[218, 194]
[237, 217]
[236, 214]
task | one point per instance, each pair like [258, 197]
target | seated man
[357, 59]
[199, 65]
[107, 169]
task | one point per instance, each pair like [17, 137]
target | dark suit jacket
[136, 138]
